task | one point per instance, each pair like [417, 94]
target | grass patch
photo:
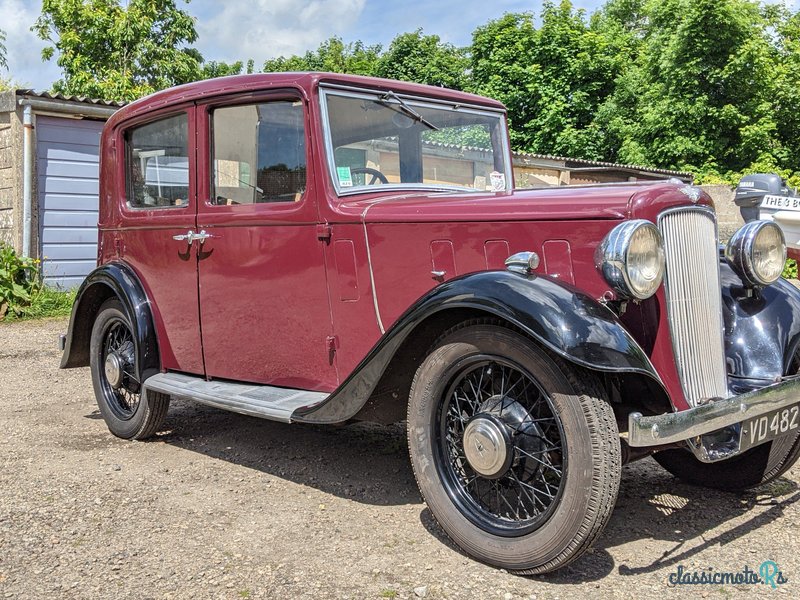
[45, 302]
[22, 294]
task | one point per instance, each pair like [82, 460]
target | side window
[157, 163]
[259, 153]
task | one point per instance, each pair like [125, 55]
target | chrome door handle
[185, 237]
[201, 236]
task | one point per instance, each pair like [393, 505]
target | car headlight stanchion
[757, 252]
[631, 258]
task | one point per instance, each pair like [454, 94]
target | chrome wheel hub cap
[487, 446]
[113, 370]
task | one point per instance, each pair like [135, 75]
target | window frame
[123, 171]
[413, 101]
[205, 174]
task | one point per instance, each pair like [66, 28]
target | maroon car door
[156, 192]
[264, 305]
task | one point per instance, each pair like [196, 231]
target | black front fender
[559, 316]
[762, 330]
[107, 281]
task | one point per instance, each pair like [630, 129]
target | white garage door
[68, 153]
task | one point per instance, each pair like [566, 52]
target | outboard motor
[753, 188]
[766, 196]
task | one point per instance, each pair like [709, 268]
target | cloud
[23, 48]
[261, 29]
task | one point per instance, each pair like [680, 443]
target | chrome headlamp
[631, 258]
[757, 252]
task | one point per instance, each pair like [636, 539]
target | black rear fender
[108, 281]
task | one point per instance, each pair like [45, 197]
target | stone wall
[10, 172]
[728, 217]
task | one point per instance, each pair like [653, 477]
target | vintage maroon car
[317, 248]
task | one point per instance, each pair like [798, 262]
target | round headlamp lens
[631, 258]
[645, 262]
[769, 253]
[757, 252]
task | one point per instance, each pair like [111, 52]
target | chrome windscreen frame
[411, 100]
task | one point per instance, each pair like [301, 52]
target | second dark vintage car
[318, 248]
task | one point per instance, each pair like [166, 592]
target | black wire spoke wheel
[120, 386]
[516, 451]
[129, 411]
[501, 455]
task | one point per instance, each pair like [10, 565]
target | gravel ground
[225, 506]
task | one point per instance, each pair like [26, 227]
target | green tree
[213, 68]
[786, 99]
[424, 59]
[552, 79]
[108, 50]
[333, 56]
[701, 94]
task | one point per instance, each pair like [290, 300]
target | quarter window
[157, 170]
[259, 153]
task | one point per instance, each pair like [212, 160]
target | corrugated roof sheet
[82, 99]
[598, 163]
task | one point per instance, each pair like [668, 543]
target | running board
[267, 402]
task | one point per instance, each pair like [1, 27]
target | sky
[261, 29]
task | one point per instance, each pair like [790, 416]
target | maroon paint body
[279, 305]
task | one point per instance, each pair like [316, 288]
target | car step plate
[267, 402]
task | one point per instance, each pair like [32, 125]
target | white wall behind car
[68, 187]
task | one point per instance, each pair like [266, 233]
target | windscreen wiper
[405, 109]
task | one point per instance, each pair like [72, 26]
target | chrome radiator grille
[694, 301]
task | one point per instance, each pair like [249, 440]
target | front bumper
[694, 425]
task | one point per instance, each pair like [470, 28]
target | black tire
[128, 412]
[756, 467]
[579, 441]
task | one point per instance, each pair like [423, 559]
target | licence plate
[780, 202]
[765, 428]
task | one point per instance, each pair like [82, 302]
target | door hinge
[324, 232]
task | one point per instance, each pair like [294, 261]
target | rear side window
[259, 153]
[157, 163]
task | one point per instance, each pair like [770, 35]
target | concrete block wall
[10, 171]
[728, 217]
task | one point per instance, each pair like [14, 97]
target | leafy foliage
[707, 91]
[107, 50]
[214, 68]
[333, 56]
[410, 57]
[19, 278]
[21, 294]
[424, 59]
[790, 269]
[552, 79]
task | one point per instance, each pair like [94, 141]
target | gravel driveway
[226, 506]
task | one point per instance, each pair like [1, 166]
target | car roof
[208, 88]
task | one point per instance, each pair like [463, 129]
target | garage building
[49, 168]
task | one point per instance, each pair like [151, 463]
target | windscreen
[383, 139]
